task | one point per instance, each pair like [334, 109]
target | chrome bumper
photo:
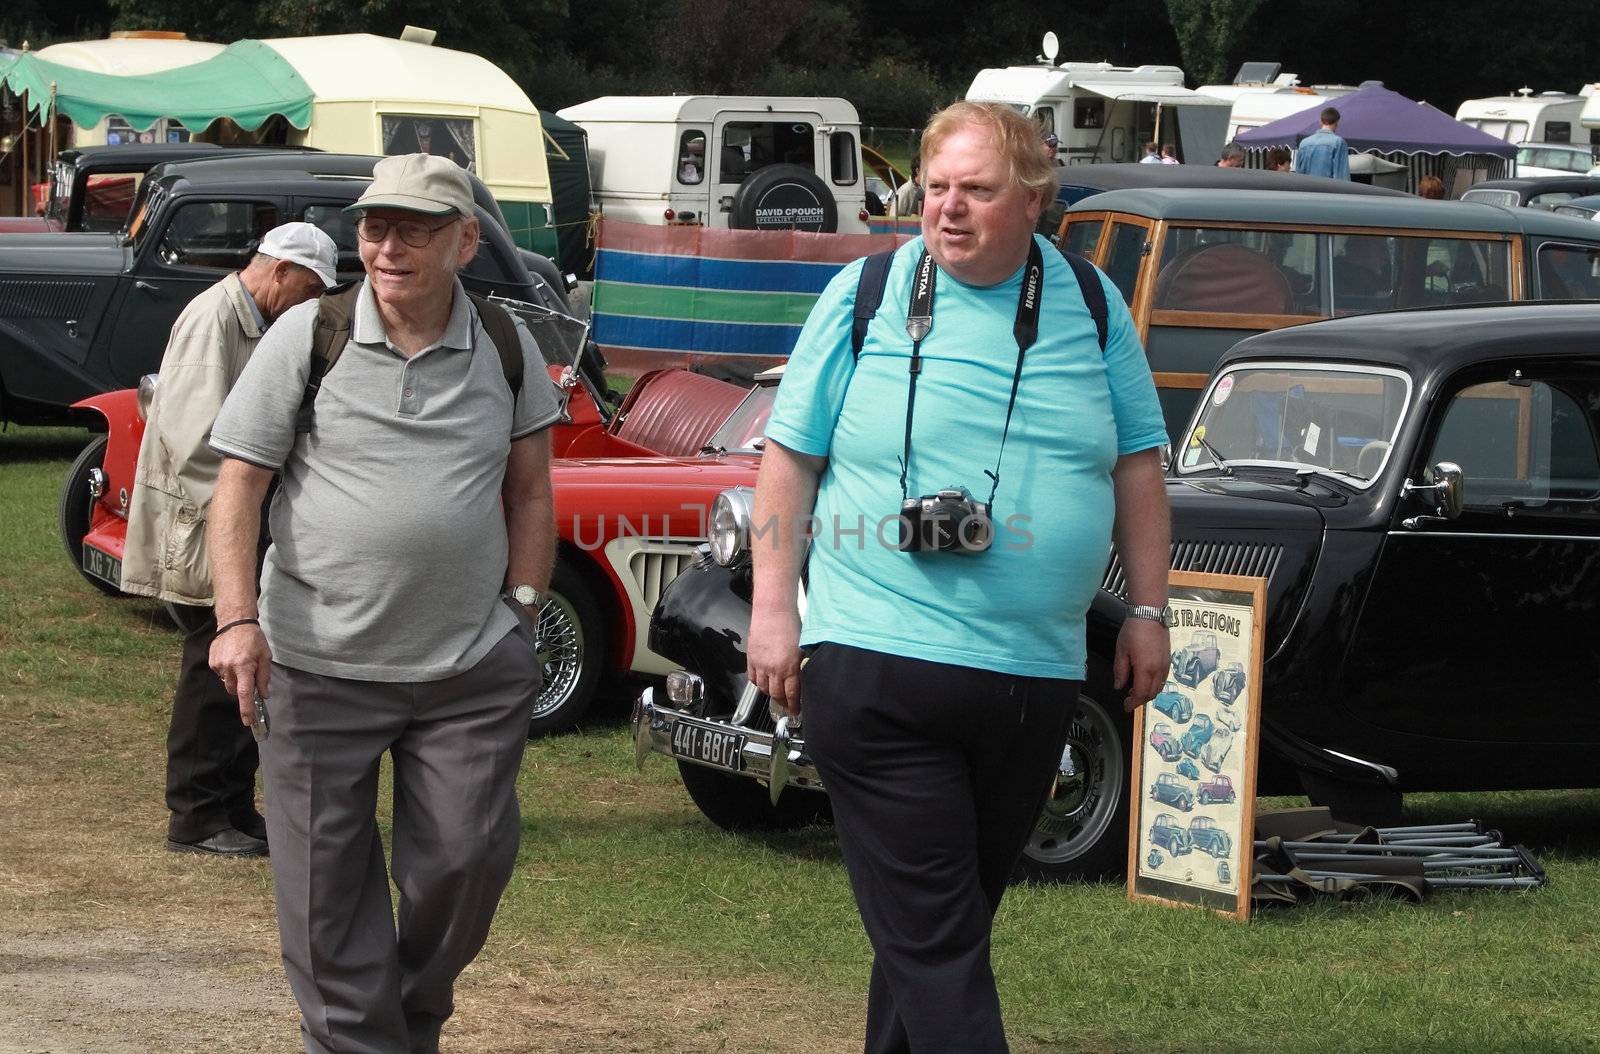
[776, 758]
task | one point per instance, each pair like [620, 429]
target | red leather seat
[674, 412]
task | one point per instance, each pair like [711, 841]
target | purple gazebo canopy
[1377, 120]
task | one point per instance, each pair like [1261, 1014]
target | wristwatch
[1164, 615]
[527, 596]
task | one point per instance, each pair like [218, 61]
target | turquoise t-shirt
[1019, 607]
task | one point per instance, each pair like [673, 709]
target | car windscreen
[1329, 418]
[747, 425]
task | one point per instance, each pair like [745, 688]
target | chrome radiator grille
[1217, 558]
[653, 569]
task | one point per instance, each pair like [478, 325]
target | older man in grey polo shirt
[418, 499]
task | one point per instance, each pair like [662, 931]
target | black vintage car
[84, 313]
[1421, 491]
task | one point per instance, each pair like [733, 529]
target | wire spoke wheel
[560, 654]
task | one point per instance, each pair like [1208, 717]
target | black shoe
[251, 823]
[226, 842]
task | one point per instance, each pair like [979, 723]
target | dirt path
[109, 944]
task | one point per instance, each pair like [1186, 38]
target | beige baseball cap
[306, 245]
[433, 186]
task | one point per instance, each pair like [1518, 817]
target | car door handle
[146, 287]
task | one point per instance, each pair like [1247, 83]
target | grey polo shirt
[388, 535]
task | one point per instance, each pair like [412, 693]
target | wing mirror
[1444, 486]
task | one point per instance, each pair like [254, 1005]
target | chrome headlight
[730, 524]
[147, 392]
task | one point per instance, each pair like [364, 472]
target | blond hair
[1015, 137]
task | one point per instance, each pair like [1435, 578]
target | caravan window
[751, 145]
[1510, 131]
[452, 137]
[1089, 113]
[1558, 131]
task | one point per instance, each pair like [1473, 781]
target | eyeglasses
[415, 233]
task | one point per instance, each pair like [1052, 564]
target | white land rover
[745, 162]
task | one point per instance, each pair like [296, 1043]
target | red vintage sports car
[633, 492]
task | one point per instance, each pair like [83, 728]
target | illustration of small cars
[1197, 735]
[1154, 859]
[1173, 703]
[1188, 770]
[1228, 683]
[1170, 835]
[1206, 836]
[1217, 748]
[1218, 791]
[1165, 742]
[1224, 875]
[1194, 662]
[1226, 718]
[1168, 791]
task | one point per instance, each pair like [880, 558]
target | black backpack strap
[1094, 293]
[502, 330]
[869, 295]
[329, 334]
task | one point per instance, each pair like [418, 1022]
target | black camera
[946, 522]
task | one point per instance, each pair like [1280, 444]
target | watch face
[525, 595]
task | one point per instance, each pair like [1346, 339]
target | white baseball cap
[306, 245]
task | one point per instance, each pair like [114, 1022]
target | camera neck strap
[919, 323]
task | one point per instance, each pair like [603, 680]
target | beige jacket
[165, 554]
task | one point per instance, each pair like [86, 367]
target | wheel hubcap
[1089, 786]
[560, 654]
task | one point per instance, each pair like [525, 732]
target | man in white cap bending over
[211, 760]
[412, 537]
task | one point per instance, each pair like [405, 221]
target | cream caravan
[1105, 113]
[1548, 117]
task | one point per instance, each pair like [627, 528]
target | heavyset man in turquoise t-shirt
[944, 677]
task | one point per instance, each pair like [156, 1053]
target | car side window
[1124, 254]
[219, 235]
[1529, 445]
[1083, 237]
[341, 227]
[1569, 272]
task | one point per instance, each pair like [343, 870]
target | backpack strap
[869, 295]
[502, 330]
[1094, 293]
[331, 332]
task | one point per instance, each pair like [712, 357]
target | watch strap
[1164, 615]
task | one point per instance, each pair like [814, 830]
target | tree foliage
[1207, 31]
[898, 59]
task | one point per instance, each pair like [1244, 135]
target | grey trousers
[368, 982]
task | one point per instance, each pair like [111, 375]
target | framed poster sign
[1192, 814]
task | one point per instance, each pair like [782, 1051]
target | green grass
[618, 866]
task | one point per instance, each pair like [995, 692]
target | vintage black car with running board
[1421, 491]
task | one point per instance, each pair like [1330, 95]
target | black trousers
[211, 757]
[936, 774]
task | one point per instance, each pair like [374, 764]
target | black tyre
[572, 650]
[738, 803]
[76, 506]
[1082, 832]
[784, 197]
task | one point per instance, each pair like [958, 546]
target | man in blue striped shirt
[1324, 153]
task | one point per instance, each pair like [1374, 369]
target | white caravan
[130, 54]
[1261, 94]
[1105, 113]
[1548, 117]
[745, 162]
